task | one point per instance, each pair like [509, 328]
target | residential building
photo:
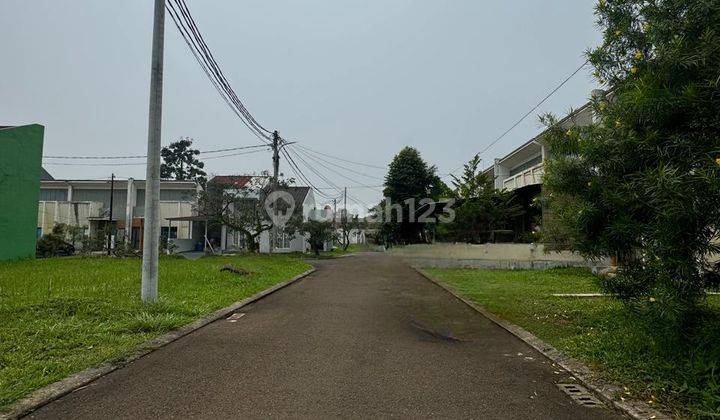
[20, 171]
[522, 169]
[278, 239]
[356, 235]
[86, 203]
[205, 235]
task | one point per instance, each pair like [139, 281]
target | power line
[552, 92]
[331, 169]
[315, 171]
[205, 66]
[296, 169]
[94, 164]
[143, 163]
[199, 44]
[322, 177]
[340, 166]
[192, 36]
[342, 159]
[144, 156]
[354, 186]
[238, 154]
[186, 12]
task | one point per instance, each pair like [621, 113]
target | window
[282, 239]
[168, 232]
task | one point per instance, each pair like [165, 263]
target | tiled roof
[238, 181]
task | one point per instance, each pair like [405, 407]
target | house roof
[539, 137]
[45, 175]
[237, 181]
[298, 193]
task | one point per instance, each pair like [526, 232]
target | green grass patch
[621, 345]
[62, 315]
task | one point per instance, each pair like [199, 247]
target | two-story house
[86, 203]
[522, 169]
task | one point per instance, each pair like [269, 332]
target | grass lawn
[62, 315]
[618, 344]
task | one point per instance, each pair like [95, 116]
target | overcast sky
[356, 79]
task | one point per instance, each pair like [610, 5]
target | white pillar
[130, 203]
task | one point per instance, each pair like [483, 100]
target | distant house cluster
[86, 203]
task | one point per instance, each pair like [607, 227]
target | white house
[222, 238]
[277, 240]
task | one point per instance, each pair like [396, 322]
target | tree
[408, 181]
[347, 225]
[642, 184]
[482, 208]
[317, 232]
[180, 162]
[239, 208]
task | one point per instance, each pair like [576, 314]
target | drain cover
[581, 395]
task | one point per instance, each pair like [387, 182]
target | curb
[604, 390]
[53, 391]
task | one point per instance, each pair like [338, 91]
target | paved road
[351, 340]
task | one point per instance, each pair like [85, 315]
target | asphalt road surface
[364, 336]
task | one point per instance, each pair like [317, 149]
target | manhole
[581, 395]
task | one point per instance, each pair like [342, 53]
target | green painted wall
[20, 160]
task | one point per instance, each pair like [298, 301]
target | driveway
[364, 336]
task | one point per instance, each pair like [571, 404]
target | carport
[202, 232]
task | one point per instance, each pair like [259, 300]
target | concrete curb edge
[55, 390]
[606, 391]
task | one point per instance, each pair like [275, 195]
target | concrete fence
[498, 256]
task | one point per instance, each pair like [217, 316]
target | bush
[642, 184]
[54, 244]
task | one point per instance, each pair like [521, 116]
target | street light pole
[151, 229]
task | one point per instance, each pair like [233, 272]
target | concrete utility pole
[110, 228]
[276, 157]
[151, 230]
[334, 222]
[344, 218]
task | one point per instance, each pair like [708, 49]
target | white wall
[51, 213]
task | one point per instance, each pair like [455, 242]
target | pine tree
[180, 162]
